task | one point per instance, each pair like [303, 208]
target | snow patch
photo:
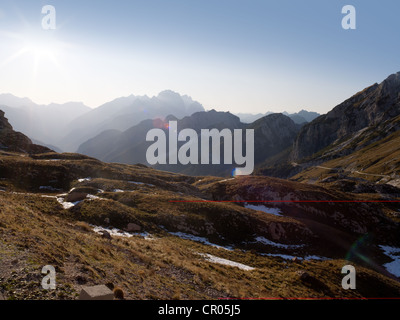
[278, 245]
[113, 232]
[202, 240]
[93, 197]
[146, 236]
[67, 205]
[289, 257]
[119, 233]
[274, 211]
[141, 183]
[227, 180]
[394, 253]
[49, 188]
[226, 262]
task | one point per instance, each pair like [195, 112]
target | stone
[81, 279]
[1, 297]
[132, 227]
[105, 234]
[16, 141]
[76, 196]
[100, 292]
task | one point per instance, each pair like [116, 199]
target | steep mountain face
[123, 113]
[272, 134]
[366, 109]
[16, 141]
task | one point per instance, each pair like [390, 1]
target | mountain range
[300, 117]
[273, 134]
[354, 144]
[66, 126]
[297, 146]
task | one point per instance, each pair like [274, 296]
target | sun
[41, 47]
[41, 50]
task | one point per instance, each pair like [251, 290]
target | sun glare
[41, 49]
[39, 46]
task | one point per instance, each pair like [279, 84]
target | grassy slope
[36, 231]
[166, 268]
[378, 162]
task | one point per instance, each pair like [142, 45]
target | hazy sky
[236, 55]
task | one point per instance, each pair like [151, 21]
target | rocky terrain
[367, 109]
[354, 147]
[16, 141]
[162, 235]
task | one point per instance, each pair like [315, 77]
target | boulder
[132, 227]
[105, 235]
[75, 196]
[100, 292]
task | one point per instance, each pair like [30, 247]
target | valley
[324, 195]
[189, 242]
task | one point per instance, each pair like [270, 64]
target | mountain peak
[366, 109]
[10, 100]
[393, 80]
[168, 94]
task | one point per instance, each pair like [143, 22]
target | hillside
[365, 110]
[52, 216]
[11, 140]
[376, 163]
[160, 235]
[354, 137]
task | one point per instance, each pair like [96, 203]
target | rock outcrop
[366, 109]
[16, 141]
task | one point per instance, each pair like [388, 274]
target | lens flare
[355, 250]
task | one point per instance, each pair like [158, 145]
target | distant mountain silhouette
[301, 117]
[66, 126]
[273, 134]
[123, 113]
[45, 123]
